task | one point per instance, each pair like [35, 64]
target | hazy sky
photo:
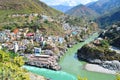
[66, 2]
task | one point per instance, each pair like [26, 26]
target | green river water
[71, 67]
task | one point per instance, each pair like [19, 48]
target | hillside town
[21, 42]
[42, 50]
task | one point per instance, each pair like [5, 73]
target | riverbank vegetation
[10, 68]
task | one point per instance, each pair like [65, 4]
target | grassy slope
[27, 6]
[109, 19]
[9, 7]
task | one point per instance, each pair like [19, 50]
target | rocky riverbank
[98, 68]
[98, 52]
[109, 67]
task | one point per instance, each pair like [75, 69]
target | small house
[37, 51]
[61, 40]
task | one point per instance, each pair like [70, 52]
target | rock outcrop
[100, 55]
[92, 52]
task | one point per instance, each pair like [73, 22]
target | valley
[65, 41]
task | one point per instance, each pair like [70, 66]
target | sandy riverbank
[97, 68]
[36, 77]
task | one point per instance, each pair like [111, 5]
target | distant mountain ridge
[82, 11]
[109, 19]
[104, 6]
[109, 11]
[62, 8]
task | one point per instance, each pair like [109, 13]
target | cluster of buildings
[21, 40]
[43, 47]
[39, 49]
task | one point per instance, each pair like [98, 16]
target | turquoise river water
[71, 67]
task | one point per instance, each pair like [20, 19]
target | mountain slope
[32, 14]
[27, 6]
[62, 7]
[109, 19]
[82, 11]
[113, 34]
[109, 11]
[11, 7]
[104, 6]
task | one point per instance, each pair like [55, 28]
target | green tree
[104, 43]
[10, 69]
[19, 61]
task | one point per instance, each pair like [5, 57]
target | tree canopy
[10, 68]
